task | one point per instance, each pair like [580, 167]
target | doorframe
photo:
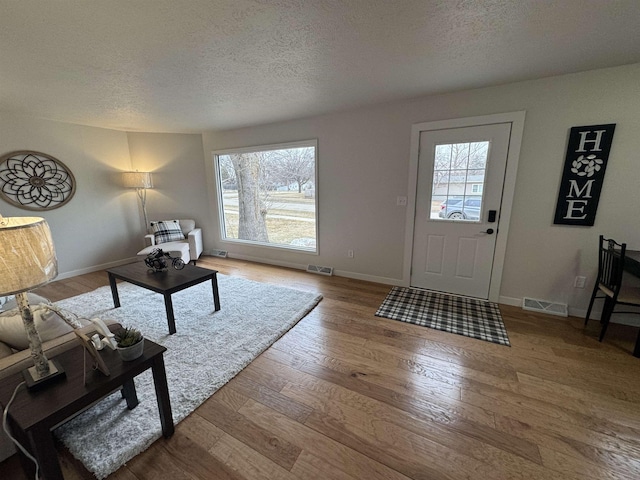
[516, 119]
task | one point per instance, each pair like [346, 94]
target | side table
[34, 414]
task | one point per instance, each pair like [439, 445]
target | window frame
[220, 201]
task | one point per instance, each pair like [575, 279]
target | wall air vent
[219, 253]
[319, 269]
[542, 306]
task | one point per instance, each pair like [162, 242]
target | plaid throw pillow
[167, 231]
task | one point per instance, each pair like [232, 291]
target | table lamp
[28, 261]
[141, 181]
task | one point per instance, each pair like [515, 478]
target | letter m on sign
[584, 166]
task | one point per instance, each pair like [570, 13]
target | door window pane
[458, 181]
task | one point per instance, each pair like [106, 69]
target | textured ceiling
[191, 66]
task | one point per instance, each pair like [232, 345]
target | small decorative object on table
[98, 362]
[108, 338]
[157, 261]
[130, 343]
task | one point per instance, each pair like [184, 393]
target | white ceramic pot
[132, 352]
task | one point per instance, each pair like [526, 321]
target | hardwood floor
[347, 395]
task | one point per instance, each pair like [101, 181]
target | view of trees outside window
[269, 196]
[458, 181]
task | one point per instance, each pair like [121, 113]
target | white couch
[189, 249]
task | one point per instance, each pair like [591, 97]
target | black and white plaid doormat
[463, 316]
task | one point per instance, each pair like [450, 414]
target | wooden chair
[609, 282]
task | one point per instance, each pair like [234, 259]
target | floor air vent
[219, 253]
[319, 269]
[542, 306]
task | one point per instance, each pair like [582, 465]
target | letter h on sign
[586, 161]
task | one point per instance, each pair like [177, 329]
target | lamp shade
[137, 180]
[27, 255]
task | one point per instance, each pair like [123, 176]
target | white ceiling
[198, 65]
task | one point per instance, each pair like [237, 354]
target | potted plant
[130, 343]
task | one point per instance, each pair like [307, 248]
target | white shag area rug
[207, 351]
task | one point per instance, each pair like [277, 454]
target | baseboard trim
[516, 302]
[337, 273]
[277, 263]
[632, 320]
[96, 268]
[368, 278]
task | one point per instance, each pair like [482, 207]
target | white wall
[363, 165]
[96, 228]
[178, 176]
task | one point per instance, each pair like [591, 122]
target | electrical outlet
[401, 201]
[579, 282]
[350, 253]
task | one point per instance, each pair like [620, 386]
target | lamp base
[33, 381]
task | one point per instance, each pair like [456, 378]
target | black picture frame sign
[584, 168]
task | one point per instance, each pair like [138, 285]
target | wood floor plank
[196, 461]
[72, 468]
[263, 377]
[335, 454]
[230, 397]
[121, 474]
[275, 400]
[566, 465]
[378, 337]
[237, 425]
[588, 403]
[500, 400]
[200, 431]
[419, 458]
[378, 365]
[311, 467]
[347, 395]
[610, 454]
[440, 426]
[334, 371]
[155, 463]
[381, 333]
[246, 463]
[476, 440]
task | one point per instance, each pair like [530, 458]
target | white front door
[459, 190]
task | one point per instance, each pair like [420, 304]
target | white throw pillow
[48, 324]
[166, 231]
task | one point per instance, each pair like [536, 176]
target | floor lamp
[141, 181]
[28, 261]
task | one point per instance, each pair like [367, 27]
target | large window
[268, 196]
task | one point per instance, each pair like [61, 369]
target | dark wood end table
[34, 414]
[165, 283]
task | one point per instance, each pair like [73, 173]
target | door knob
[488, 230]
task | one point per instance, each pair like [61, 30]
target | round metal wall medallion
[35, 181]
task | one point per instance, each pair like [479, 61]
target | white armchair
[189, 249]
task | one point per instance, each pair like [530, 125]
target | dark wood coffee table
[33, 414]
[165, 283]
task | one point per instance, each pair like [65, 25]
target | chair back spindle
[611, 262]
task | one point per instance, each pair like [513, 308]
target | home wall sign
[584, 167]
[35, 181]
